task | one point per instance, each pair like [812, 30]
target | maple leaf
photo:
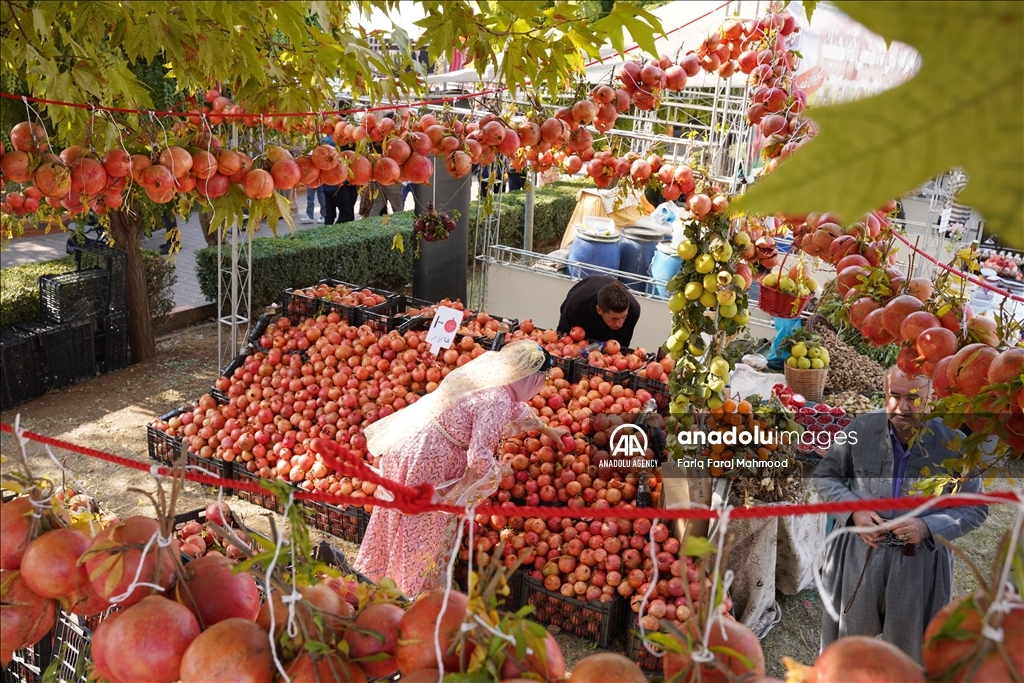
[964, 108]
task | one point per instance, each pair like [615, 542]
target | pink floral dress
[457, 454]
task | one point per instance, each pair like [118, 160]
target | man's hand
[866, 518]
[911, 531]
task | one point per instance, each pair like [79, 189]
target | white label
[442, 330]
[944, 218]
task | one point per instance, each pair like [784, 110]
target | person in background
[312, 195]
[890, 580]
[339, 199]
[603, 307]
[448, 438]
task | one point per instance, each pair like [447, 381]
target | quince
[728, 311]
[803, 363]
[803, 291]
[741, 240]
[787, 285]
[799, 350]
[677, 302]
[686, 250]
[708, 299]
[742, 317]
[693, 290]
[714, 403]
[817, 364]
[719, 367]
[716, 384]
[814, 352]
[726, 297]
[792, 361]
[824, 356]
[724, 278]
[771, 280]
[711, 282]
[704, 263]
[812, 284]
[739, 281]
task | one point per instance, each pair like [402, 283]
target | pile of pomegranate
[344, 295]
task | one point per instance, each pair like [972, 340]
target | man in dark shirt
[603, 307]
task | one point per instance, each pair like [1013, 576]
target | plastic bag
[783, 328]
[666, 213]
[746, 381]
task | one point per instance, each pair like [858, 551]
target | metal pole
[528, 213]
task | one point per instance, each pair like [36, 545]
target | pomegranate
[15, 531]
[156, 632]
[29, 137]
[857, 659]
[258, 184]
[25, 617]
[50, 564]
[88, 176]
[553, 668]
[415, 648]
[106, 562]
[968, 371]
[178, 160]
[53, 179]
[231, 650]
[15, 167]
[1007, 367]
[607, 667]
[382, 619]
[303, 669]
[738, 638]
[215, 592]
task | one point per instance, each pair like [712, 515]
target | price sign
[442, 330]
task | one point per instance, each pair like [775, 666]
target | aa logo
[627, 441]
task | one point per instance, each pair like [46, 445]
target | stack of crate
[82, 330]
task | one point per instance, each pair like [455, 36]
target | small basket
[778, 304]
[810, 382]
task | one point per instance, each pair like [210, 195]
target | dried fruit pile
[849, 370]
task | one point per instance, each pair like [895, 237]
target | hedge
[19, 287]
[553, 206]
[359, 252]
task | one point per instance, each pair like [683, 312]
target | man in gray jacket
[890, 581]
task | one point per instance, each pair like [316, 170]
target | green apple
[814, 352]
[799, 350]
[742, 317]
[693, 290]
[792, 361]
[711, 282]
[704, 263]
[803, 363]
[677, 302]
[727, 297]
[719, 366]
[708, 299]
[686, 250]
[817, 364]
[787, 285]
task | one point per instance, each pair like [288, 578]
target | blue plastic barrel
[596, 251]
[665, 266]
[636, 253]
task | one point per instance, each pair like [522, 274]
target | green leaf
[698, 547]
[397, 242]
[729, 652]
[964, 108]
[666, 643]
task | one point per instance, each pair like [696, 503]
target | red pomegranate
[215, 592]
[968, 372]
[303, 669]
[418, 168]
[738, 638]
[129, 537]
[228, 162]
[15, 531]
[1007, 367]
[177, 159]
[552, 668]
[52, 179]
[325, 157]
[360, 170]
[386, 171]
[145, 642]
[382, 619]
[215, 186]
[415, 648]
[16, 167]
[50, 564]
[286, 174]
[230, 650]
[858, 659]
[204, 164]
[88, 176]
[607, 667]
[25, 617]
[258, 184]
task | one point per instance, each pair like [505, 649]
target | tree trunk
[127, 232]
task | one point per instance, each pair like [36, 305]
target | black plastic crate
[199, 515]
[595, 620]
[19, 381]
[73, 296]
[412, 321]
[636, 651]
[28, 664]
[569, 367]
[264, 498]
[261, 325]
[215, 467]
[114, 261]
[620, 377]
[382, 318]
[485, 341]
[298, 306]
[69, 350]
[72, 645]
[347, 523]
[112, 342]
[657, 389]
[163, 448]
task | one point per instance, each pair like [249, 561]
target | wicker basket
[810, 383]
[778, 304]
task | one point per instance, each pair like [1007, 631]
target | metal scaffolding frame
[234, 293]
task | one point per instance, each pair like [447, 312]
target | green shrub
[553, 206]
[19, 287]
[359, 252]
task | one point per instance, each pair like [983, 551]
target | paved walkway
[187, 294]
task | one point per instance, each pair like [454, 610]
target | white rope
[999, 602]
[704, 655]
[651, 586]
[162, 542]
[278, 542]
[924, 507]
[444, 602]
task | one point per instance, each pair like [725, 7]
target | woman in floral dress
[448, 438]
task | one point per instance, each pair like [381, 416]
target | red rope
[410, 500]
[338, 112]
[959, 273]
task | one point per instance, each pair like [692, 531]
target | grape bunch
[432, 226]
